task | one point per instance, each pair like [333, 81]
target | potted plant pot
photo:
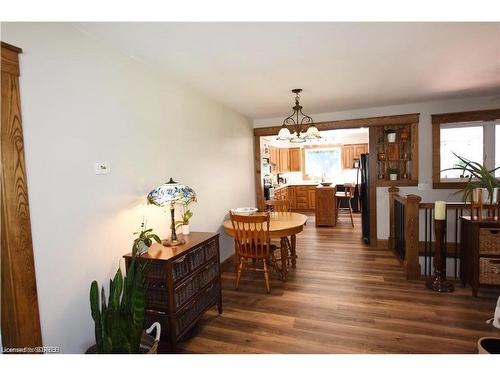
[393, 176]
[185, 229]
[391, 136]
[488, 345]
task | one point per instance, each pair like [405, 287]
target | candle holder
[439, 283]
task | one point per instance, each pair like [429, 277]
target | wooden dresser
[480, 253]
[325, 206]
[183, 282]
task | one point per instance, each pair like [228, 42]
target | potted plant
[391, 135]
[184, 222]
[119, 322]
[479, 178]
[145, 239]
[393, 174]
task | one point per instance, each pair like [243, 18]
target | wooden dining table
[281, 226]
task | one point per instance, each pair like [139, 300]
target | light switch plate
[102, 167]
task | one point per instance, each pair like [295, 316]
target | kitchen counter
[303, 183]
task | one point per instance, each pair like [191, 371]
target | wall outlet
[102, 167]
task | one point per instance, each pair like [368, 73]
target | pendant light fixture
[298, 127]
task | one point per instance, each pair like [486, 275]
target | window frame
[306, 148]
[487, 116]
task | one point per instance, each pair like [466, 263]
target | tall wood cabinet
[183, 282]
[285, 159]
[295, 155]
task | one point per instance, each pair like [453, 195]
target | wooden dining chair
[252, 241]
[342, 196]
[281, 205]
[278, 205]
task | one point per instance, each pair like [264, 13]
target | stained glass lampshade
[171, 193]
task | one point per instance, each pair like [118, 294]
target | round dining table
[281, 226]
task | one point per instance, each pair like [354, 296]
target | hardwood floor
[343, 297]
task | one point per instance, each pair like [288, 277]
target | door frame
[20, 320]
[370, 123]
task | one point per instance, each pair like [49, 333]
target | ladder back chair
[281, 205]
[342, 196]
[252, 241]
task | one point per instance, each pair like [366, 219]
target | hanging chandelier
[295, 129]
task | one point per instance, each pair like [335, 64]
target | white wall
[82, 102]
[424, 150]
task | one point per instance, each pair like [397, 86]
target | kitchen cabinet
[274, 159]
[295, 159]
[311, 197]
[325, 206]
[284, 160]
[352, 152]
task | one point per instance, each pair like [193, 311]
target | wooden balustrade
[404, 232]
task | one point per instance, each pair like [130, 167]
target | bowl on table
[324, 183]
[244, 210]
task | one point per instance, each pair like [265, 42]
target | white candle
[439, 210]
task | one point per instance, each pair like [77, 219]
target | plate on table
[244, 210]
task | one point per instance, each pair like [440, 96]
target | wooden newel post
[412, 263]
[393, 191]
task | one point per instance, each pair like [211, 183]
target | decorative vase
[393, 176]
[185, 229]
[404, 136]
[391, 137]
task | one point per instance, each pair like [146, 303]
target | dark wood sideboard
[183, 282]
[480, 253]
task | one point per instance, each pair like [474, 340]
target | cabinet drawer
[191, 286]
[489, 271]
[301, 199]
[188, 263]
[489, 241]
[157, 295]
[197, 307]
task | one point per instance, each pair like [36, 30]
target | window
[474, 135]
[322, 162]
[464, 140]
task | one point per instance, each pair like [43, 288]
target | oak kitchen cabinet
[352, 152]
[301, 197]
[295, 158]
[285, 159]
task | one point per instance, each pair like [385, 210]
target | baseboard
[227, 264]
[382, 243]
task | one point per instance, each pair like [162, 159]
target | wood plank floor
[343, 297]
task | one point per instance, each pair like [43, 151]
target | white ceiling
[251, 67]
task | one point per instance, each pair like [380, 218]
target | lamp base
[170, 243]
[438, 284]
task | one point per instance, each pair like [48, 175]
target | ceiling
[251, 67]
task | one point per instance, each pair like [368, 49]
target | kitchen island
[302, 196]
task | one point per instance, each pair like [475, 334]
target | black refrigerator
[364, 197]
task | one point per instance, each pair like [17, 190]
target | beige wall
[425, 144]
[83, 102]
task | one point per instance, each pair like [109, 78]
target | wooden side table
[479, 253]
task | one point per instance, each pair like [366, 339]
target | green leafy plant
[392, 171]
[478, 176]
[119, 322]
[186, 216]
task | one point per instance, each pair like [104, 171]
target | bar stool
[345, 195]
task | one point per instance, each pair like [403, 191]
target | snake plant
[119, 321]
[478, 176]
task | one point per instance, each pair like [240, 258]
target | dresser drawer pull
[180, 260]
